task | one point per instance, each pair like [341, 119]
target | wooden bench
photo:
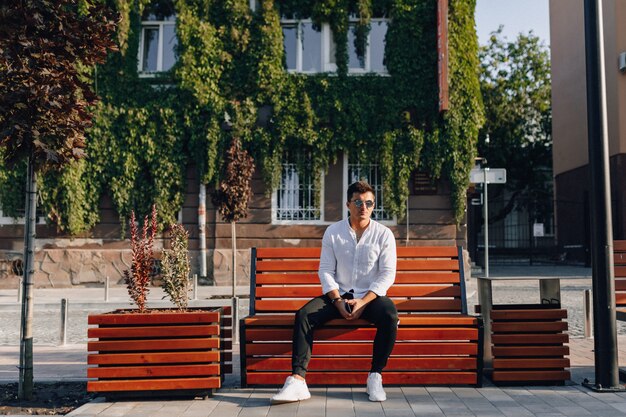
[438, 343]
[619, 263]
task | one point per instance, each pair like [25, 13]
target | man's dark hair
[359, 187]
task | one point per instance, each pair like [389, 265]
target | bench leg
[479, 360]
[242, 353]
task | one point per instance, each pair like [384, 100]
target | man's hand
[343, 310]
[358, 306]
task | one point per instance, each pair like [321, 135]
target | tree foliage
[233, 193]
[148, 130]
[46, 48]
[515, 85]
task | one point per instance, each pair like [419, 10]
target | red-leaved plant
[138, 277]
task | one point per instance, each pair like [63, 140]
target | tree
[515, 85]
[47, 48]
[231, 199]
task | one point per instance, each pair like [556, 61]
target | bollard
[587, 313]
[235, 319]
[106, 289]
[19, 290]
[195, 286]
[63, 335]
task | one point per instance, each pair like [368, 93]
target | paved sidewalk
[69, 363]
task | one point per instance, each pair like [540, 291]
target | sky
[516, 16]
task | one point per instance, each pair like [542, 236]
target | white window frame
[326, 39]
[368, 64]
[8, 220]
[159, 66]
[275, 208]
[390, 222]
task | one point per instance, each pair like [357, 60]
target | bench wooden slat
[294, 253]
[359, 378]
[402, 252]
[516, 327]
[352, 333]
[402, 277]
[364, 364]
[153, 371]
[309, 292]
[534, 363]
[620, 299]
[620, 284]
[154, 384]
[544, 351]
[313, 265]
[619, 245]
[165, 357]
[286, 305]
[620, 271]
[405, 320]
[360, 348]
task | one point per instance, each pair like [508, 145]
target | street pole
[605, 341]
[486, 216]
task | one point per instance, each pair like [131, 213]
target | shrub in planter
[145, 350]
[175, 267]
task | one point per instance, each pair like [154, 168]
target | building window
[299, 198]
[157, 47]
[308, 50]
[371, 173]
[374, 58]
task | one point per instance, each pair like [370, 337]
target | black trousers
[381, 312]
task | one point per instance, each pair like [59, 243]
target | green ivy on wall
[230, 68]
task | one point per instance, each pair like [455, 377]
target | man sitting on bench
[357, 267]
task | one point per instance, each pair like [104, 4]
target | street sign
[494, 175]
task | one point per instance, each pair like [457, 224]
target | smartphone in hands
[348, 307]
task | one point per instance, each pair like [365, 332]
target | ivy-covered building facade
[319, 93]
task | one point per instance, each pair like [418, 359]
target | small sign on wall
[538, 230]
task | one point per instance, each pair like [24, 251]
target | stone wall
[67, 267]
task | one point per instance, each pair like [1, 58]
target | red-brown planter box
[160, 350]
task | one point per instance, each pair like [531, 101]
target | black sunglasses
[368, 203]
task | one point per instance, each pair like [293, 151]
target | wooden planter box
[529, 344]
[155, 351]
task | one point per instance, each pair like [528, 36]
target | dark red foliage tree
[234, 190]
[47, 48]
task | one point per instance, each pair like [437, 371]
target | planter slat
[164, 357]
[132, 317]
[153, 371]
[153, 331]
[152, 345]
[156, 384]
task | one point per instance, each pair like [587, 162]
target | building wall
[87, 260]
[569, 117]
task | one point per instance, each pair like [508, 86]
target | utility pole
[605, 341]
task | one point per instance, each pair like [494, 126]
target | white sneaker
[293, 390]
[375, 387]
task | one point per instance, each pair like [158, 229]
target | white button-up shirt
[369, 265]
